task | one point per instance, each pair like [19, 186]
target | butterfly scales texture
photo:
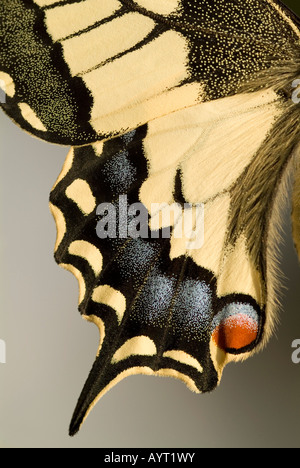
[181, 103]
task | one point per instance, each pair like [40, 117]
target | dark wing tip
[74, 427]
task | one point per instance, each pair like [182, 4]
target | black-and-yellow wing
[184, 133]
[79, 71]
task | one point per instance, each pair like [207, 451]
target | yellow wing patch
[198, 142]
[7, 84]
[139, 345]
[184, 358]
[135, 82]
[112, 298]
[113, 37]
[79, 16]
[215, 225]
[239, 275]
[61, 227]
[88, 252]
[81, 194]
[30, 116]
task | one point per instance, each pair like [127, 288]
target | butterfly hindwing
[165, 304]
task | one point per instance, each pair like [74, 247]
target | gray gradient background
[50, 349]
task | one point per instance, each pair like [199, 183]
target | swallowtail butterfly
[183, 122]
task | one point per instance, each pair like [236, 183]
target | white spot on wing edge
[7, 84]
[81, 194]
[112, 298]
[30, 116]
[98, 148]
[184, 358]
[88, 252]
[60, 222]
[139, 345]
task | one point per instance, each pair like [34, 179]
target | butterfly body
[184, 133]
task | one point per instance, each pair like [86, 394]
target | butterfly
[183, 122]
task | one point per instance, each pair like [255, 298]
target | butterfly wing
[77, 72]
[173, 292]
[196, 96]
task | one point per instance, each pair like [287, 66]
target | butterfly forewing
[102, 68]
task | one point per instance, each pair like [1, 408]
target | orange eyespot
[235, 332]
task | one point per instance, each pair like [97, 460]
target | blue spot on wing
[235, 308]
[193, 309]
[119, 172]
